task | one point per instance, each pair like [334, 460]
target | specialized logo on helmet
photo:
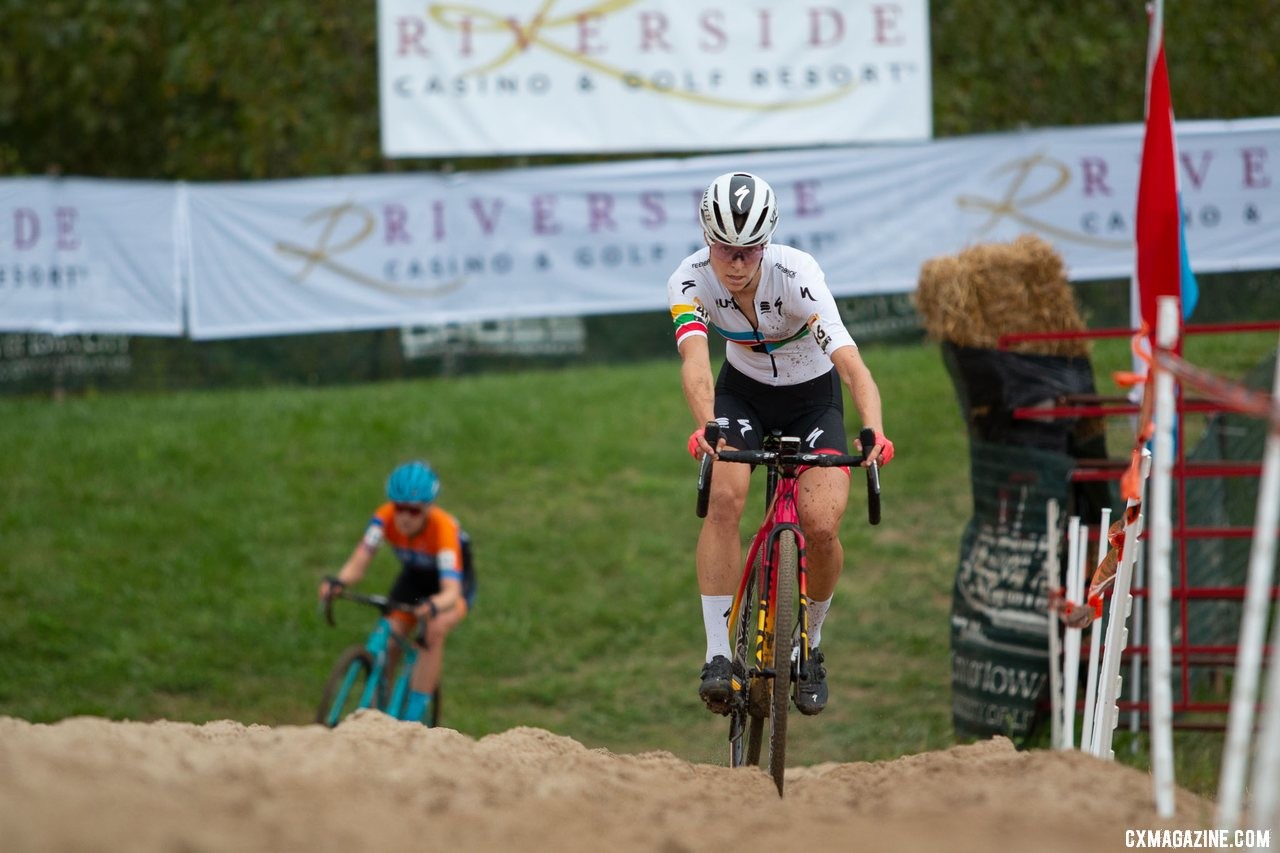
[741, 188]
[739, 209]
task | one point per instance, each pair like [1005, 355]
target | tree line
[172, 90]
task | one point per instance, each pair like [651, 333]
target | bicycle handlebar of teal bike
[381, 602]
[774, 458]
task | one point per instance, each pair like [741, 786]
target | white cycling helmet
[739, 209]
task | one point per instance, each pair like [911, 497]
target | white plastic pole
[1108, 713]
[1076, 635]
[1262, 559]
[1071, 639]
[1161, 668]
[1055, 646]
[1139, 629]
[1095, 643]
[1265, 808]
[1117, 640]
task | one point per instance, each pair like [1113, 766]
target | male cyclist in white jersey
[788, 354]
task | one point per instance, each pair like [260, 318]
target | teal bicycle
[377, 673]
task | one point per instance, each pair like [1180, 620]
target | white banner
[493, 77]
[391, 250]
[81, 255]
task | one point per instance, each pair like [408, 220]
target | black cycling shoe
[811, 692]
[717, 684]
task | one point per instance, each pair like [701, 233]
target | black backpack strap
[468, 568]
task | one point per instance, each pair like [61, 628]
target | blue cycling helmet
[413, 482]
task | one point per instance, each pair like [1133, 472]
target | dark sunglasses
[725, 252]
[410, 509]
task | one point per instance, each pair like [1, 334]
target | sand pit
[87, 784]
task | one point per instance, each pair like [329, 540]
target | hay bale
[993, 289]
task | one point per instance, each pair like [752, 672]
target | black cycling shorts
[812, 411]
[414, 585]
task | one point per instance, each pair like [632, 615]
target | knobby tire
[741, 722]
[784, 621]
[345, 686]
[435, 706]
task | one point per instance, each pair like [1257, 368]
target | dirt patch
[377, 784]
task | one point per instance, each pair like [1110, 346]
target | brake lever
[710, 432]
[868, 440]
[326, 606]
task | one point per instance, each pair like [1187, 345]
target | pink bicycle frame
[781, 514]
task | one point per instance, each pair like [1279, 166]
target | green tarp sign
[999, 621]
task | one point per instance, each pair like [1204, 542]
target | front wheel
[433, 716]
[348, 682]
[784, 621]
[742, 722]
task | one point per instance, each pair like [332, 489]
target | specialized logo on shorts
[813, 437]
[820, 335]
[744, 426]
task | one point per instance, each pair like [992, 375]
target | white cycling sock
[716, 624]
[817, 613]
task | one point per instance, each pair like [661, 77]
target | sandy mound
[376, 784]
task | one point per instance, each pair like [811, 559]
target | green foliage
[1003, 66]
[173, 90]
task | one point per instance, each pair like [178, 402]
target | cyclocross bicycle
[370, 675]
[769, 619]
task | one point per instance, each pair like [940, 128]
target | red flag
[1157, 233]
[1159, 225]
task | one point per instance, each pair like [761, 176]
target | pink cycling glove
[886, 449]
[693, 441]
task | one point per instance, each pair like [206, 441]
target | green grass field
[159, 555]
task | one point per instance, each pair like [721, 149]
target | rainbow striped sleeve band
[687, 322]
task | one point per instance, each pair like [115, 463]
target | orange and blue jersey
[435, 548]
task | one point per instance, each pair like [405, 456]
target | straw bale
[993, 289]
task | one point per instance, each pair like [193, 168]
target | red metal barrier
[1185, 655]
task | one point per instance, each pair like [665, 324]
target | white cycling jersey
[799, 325]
